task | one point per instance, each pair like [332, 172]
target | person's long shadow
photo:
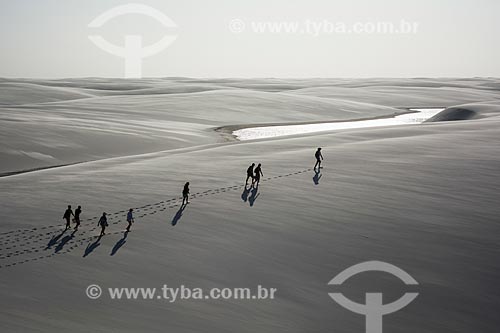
[92, 246]
[178, 215]
[317, 177]
[65, 240]
[55, 239]
[254, 193]
[119, 244]
[244, 195]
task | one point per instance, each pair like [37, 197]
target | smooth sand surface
[423, 197]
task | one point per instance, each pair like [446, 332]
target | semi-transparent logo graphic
[373, 309]
[132, 51]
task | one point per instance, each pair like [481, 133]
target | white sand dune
[14, 93]
[467, 111]
[422, 197]
[77, 130]
[79, 120]
[405, 95]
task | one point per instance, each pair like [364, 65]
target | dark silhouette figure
[119, 244]
[319, 158]
[92, 246]
[178, 215]
[65, 240]
[67, 216]
[250, 173]
[317, 177]
[103, 223]
[253, 196]
[244, 195]
[130, 218]
[258, 173]
[185, 194]
[78, 211]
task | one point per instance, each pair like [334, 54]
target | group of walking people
[76, 216]
[103, 220]
[254, 173]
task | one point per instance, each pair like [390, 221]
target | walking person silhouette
[130, 219]
[249, 173]
[319, 158]
[67, 216]
[78, 211]
[185, 194]
[103, 223]
[258, 173]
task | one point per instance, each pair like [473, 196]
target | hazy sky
[454, 38]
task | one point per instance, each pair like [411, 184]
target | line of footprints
[23, 244]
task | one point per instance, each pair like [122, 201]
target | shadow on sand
[245, 193]
[119, 244]
[92, 246]
[178, 215]
[317, 177]
[254, 194]
[55, 239]
[65, 240]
